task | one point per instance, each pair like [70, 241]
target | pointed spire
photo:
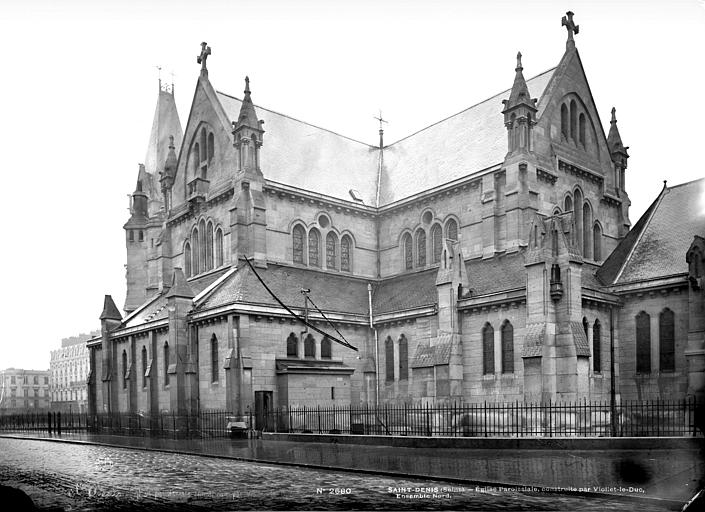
[520, 91]
[110, 310]
[179, 286]
[614, 140]
[248, 116]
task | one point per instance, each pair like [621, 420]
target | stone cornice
[319, 200]
[575, 170]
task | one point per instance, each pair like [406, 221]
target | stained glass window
[487, 349]
[331, 250]
[437, 241]
[507, 347]
[408, 252]
[345, 246]
[452, 230]
[421, 247]
[298, 244]
[313, 247]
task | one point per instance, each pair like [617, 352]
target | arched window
[643, 343]
[507, 347]
[587, 230]
[581, 129]
[292, 346]
[196, 156]
[209, 246]
[218, 247]
[130, 235]
[389, 359]
[202, 243]
[204, 145]
[299, 235]
[487, 349]
[437, 242]
[144, 367]
[141, 236]
[124, 370]
[194, 252]
[345, 250]
[408, 251]
[564, 120]
[568, 204]
[452, 230]
[331, 250]
[578, 219]
[667, 349]
[586, 326]
[326, 352]
[166, 363]
[597, 347]
[187, 259]
[211, 146]
[309, 346]
[597, 242]
[421, 247]
[573, 121]
[403, 358]
[314, 247]
[214, 358]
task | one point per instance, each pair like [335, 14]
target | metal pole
[613, 417]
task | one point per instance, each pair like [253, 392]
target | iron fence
[206, 424]
[550, 419]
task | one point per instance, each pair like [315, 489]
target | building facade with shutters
[503, 267]
[68, 369]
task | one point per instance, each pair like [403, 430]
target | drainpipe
[369, 300]
[613, 418]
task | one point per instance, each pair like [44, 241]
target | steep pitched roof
[166, 122]
[306, 156]
[466, 143]
[656, 246]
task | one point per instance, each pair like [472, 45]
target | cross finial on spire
[571, 27]
[201, 59]
[614, 117]
[247, 85]
[519, 67]
[381, 130]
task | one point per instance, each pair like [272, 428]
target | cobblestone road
[85, 477]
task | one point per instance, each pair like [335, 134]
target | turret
[618, 153]
[247, 134]
[519, 114]
[168, 175]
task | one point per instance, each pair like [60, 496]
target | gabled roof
[312, 158]
[306, 156]
[461, 145]
[656, 246]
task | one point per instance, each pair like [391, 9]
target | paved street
[90, 477]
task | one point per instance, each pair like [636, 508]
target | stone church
[274, 263]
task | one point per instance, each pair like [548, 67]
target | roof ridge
[468, 108]
[300, 121]
[684, 184]
[641, 234]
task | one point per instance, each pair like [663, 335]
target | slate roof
[468, 142]
[656, 246]
[330, 292]
[503, 272]
[404, 292]
[306, 156]
[332, 164]
[437, 354]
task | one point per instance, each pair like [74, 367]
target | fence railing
[551, 419]
[627, 419]
[206, 424]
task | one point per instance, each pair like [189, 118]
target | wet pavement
[95, 477]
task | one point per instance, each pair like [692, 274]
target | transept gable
[209, 126]
[568, 96]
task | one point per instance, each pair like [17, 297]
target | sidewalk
[655, 474]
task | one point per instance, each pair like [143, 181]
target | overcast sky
[79, 87]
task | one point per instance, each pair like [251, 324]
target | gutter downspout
[369, 299]
[613, 420]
